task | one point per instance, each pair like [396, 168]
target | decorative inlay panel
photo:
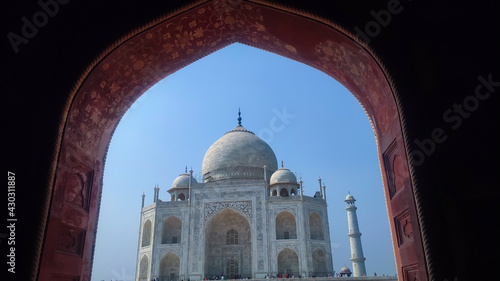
[410, 273]
[79, 187]
[291, 210]
[404, 228]
[71, 240]
[280, 247]
[174, 250]
[310, 211]
[393, 166]
[245, 207]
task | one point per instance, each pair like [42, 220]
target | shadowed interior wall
[288, 262]
[169, 267]
[285, 226]
[172, 231]
[146, 234]
[319, 263]
[316, 227]
[143, 271]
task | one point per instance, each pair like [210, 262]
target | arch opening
[319, 264]
[143, 269]
[169, 268]
[228, 241]
[316, 227]
[327, 49]
[286, 227]
[146, 234]
[171, 231]
[288, 263]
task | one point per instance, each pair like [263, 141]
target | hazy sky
[313, 124]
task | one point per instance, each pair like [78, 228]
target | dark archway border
[71, 136]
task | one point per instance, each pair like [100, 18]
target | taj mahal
[247, 219]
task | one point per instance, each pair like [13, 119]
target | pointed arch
[288, 262]
[144, 268]
[284, 192]
[171, 231]
[286, 227]
[327, 48]
[316, 227]
[146, 234]
[319, 263]
[218, 251]
[181, 197]
[169, 267]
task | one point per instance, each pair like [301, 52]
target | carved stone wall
[244, 207]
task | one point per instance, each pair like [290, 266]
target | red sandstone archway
[151, 53]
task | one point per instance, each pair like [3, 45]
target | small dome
[239, 154]
[345, 269]
[349, 197]
[182, 181]
[283, 175]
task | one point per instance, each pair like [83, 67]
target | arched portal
[144, 269]
[319, 263]
[288, 263]
[119, 75]
[171, 231]
[228, 245]
[169, 267]
[146, 234]
[283, 192]
[316, 227]
[181, 197]
[286, 227]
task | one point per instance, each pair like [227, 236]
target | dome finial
[186, 169]
[281, 163]
[239, 117]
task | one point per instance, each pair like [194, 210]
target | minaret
[156, 193]
[358, 261]
[300, 183]
[320, 189]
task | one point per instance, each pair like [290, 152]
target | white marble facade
[247, 219]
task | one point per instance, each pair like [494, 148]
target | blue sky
[313, 124]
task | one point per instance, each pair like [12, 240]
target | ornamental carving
[281, 247]
[79, 187]
[410, 272]
[167, 215]
[311, 211]
[174, 250]
[244, 207]
[404, 228]
[71, 240]
[291, 210]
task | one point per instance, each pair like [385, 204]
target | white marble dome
[182, 181]
[283, 175]
[239, 154]
[349, 197]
